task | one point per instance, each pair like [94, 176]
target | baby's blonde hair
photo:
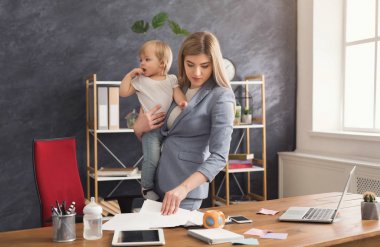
[161, 50]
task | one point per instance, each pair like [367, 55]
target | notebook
[316, 215]
[215, 235]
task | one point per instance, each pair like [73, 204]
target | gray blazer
[199, 140]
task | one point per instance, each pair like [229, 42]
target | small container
[237, 118]
[92, 221]
[64, 228]
[131, 118]
[214, 219]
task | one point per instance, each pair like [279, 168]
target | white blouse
[177, 110]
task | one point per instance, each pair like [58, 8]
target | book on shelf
[113, 111]
[215, 235]
[236, 164]
[102, 108]
[240, 156]
[117, 172]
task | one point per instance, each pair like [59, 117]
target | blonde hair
[161, 50]
[202, 43]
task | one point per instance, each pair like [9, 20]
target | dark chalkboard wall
[48, 47]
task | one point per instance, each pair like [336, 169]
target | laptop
[315, 215]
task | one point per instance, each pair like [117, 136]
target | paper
[267, 211]
[274, 235]
[257, 232]
[266, 234]
[193, 217]
[246, 241]
[150, 217]
[139, 221]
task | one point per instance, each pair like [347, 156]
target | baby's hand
[136, 72]
[182, 104]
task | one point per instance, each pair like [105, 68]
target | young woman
[196, 139]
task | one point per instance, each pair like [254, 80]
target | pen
[54, 211]
[58, 207]
[63, 206]
[71, 209]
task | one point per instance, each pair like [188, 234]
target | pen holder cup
[64, 228]
[214, 219]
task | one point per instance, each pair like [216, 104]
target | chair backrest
[57, 176]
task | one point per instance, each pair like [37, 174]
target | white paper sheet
[150, 217]
[138, 221]
[193, 217]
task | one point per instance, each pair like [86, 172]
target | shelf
[93, 142]
[251, 169]
[220, 203]
[117, 83]
[107, 83]
[255, 83]
[126, 130]
[251, 126]
[249, 82]
[122, 130]
[113, 178]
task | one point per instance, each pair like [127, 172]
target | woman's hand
[173, 198]
[148, 121]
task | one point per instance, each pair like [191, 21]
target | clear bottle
[92, 221]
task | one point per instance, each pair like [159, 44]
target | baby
[153, 86]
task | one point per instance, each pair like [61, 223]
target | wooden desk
[348, 230]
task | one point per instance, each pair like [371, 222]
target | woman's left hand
[173, 199]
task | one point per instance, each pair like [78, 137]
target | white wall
[317, 151]
[341, 145]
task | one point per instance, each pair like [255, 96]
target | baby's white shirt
[152, 92]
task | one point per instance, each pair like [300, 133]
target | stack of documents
[150, 217]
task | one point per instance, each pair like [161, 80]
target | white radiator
[302, 174]
[364, 184]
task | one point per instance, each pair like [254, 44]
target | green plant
[247, 111]
[237, 111]
[369, 196]
[158, 21]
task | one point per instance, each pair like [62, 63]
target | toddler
[153, 86]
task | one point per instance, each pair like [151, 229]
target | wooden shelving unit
[259, 165]
[93, 135]
[93, 140]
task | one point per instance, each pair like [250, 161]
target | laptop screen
[344, 191]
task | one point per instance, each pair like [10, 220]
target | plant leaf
[140, 26]
[159, 19]
[174, 27]
[177, 29]
[184, 32]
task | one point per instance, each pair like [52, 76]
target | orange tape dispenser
[214, 219]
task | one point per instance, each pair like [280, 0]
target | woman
[197, 138]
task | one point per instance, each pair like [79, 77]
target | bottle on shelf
[92, 221]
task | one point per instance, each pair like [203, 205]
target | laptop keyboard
[319, 214]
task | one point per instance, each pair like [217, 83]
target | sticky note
[246, 241]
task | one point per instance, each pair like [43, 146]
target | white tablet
[138, 237]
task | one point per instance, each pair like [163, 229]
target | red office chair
[57, 176]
